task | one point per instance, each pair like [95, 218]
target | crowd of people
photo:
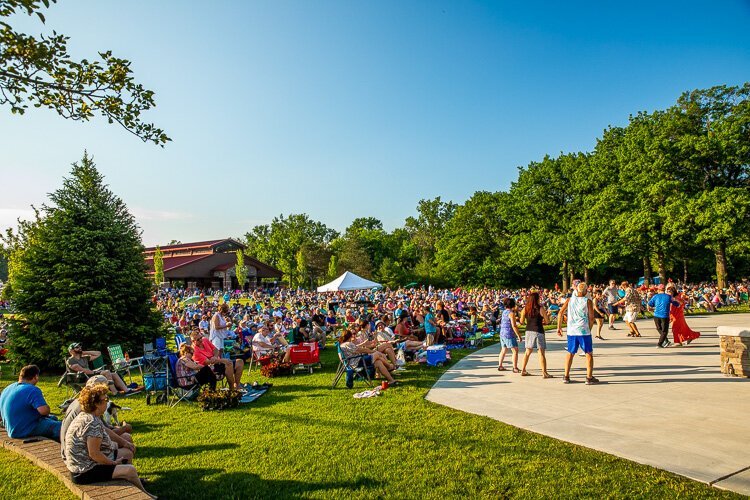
[371, 326]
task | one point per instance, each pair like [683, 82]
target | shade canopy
[348, 281]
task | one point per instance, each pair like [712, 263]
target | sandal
[516, 370]
[501, 369]
[524, 373]
[547, 375]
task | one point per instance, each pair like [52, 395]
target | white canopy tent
[348, 281]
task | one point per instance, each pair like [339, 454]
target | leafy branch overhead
[39, 71]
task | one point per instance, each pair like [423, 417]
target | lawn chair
[228, 345]
[161, 346]
[474, 338]
[180, 387]
[73, 382]
[120, 364]
[362, 369]
[179, 339]
[152, 359]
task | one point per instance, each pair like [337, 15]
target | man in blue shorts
[24, 411]
[580, 312]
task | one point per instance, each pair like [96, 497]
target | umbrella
[191, 300]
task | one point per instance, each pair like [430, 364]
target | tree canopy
[667, 191]
[39, 71]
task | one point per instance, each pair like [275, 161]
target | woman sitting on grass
[372, 358]
[90, 454]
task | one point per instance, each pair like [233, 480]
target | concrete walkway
[669, 408]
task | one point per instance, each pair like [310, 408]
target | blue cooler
[436, 355]
[156, 381]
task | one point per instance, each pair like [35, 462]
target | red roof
[198, 244]
[175, 262]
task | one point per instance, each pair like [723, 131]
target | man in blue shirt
[24, 411]
[661, 303]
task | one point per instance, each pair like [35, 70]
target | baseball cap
[96, 380]
[74, 345]
[660, 287]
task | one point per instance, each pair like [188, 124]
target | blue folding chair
[161, 346]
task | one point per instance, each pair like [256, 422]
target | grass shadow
[164, 452]
[216, 484]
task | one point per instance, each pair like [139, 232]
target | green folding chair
[120, 365]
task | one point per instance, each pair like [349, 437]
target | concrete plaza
[670, 408]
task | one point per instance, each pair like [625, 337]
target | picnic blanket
[253, 394]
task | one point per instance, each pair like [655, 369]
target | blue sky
[348, 109]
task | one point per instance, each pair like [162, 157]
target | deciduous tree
[39, 71]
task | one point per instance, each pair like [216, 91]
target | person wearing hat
[78, 362]
[660, 304]
[120, 434]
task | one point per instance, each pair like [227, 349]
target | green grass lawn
[304, 440]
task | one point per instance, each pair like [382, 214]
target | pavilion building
[207, 264]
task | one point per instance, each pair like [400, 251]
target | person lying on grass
[90, 454]
[372, 358]
[119, 434]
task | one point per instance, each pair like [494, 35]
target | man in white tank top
[580, 313]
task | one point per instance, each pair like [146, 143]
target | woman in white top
[218, 331]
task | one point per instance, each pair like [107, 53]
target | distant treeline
[668, 194]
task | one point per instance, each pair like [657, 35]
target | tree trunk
[660, 266]
[586, 274]
[684, 270]
[565, 276]
[721, 265]
[647, 270]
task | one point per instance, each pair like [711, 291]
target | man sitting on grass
[23, 410]
[78, 362]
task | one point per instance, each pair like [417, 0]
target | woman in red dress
[682, 333]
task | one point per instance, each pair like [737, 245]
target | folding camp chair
[73, 382]
[152, 359]
[362, 370]
[179, 339]
[474, 338]
[161, 346]
[120, 365]
[228, 348]
[180, 388]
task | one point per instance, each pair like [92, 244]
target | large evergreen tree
[77, 274]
